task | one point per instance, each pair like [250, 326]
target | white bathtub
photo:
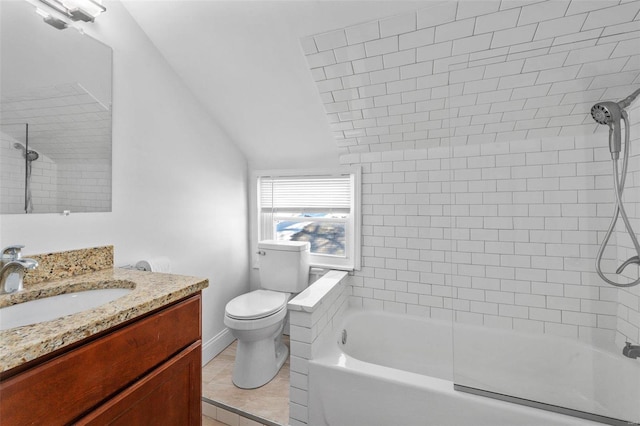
[398, 370]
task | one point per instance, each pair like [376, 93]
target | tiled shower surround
[487, 186]
[502, 234]
[71, 131]
[55, 186]
[44, 177]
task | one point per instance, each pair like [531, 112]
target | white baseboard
[216, 344]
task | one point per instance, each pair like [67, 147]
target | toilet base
[257, 362]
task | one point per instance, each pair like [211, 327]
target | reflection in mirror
[55, 117]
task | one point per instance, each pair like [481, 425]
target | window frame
[353, 259]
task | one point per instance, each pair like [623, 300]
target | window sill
[347, 268]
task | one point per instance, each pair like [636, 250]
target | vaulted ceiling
[244, 62]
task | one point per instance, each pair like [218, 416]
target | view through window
[314, 208]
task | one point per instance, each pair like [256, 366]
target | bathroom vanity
[135, 360]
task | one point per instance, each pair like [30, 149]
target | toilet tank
[284, 265]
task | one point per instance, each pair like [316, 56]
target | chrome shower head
[606, 113]
[610, 114]
[29, 155]
[32, 155]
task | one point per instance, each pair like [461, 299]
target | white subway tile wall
[85, 186]
[474, 72]
[500, 234]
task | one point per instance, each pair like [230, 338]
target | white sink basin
[49, 308]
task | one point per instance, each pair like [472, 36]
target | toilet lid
[256, 304]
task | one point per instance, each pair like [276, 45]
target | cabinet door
[169, 395]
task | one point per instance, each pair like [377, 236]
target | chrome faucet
[13, 268]
[631, 351]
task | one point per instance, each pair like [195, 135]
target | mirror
[55, 116]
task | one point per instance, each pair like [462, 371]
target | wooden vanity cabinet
[166, 396]
[145, 373]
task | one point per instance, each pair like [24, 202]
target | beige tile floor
[208, 421]
[269, 402]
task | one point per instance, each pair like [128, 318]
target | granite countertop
[150, 291]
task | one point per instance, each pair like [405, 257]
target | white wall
[179, 183]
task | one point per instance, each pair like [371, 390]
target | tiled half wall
[313, 316]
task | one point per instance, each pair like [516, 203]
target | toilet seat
[256, 305]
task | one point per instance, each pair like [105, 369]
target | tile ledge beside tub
[312, 316]
[309, 299]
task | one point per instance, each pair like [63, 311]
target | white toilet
[257, 318]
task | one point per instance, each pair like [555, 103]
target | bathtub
[398, 370]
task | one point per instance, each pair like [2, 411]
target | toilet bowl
[257, 318]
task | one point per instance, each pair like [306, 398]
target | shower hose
[618, 184]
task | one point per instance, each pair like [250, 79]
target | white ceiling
[244, 62]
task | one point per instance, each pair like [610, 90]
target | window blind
[305, 193]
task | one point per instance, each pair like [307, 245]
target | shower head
[610, 113]
[29, 155]
[606, 113]
[32, 155]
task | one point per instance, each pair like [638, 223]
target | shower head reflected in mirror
[30, 155]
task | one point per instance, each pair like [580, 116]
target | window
[320, 208]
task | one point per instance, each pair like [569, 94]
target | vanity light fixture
[60, 13]
[82, 10]
[51, 20]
